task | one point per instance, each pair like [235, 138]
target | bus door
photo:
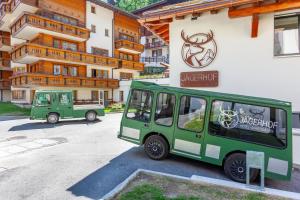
[136, 121]
[65, 104]
[189, 130]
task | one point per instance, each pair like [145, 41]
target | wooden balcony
[5, 43]
[129, 46]
[126, 64]
[28, 26]
[11, 9]
[44, 80]
[5, 84]
[30, 53]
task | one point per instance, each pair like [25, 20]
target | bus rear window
[250, 123]
[140, 106]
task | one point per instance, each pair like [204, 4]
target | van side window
[191, 113]
[256, 124]
[43, 99]
[64, 99]
[140, 106]
[165, 109]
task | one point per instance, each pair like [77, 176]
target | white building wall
[103, 19]
[246, 65]
[5, 95]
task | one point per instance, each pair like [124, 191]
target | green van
[211, 127]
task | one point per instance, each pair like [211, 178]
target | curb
[201, 179]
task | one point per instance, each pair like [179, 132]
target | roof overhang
[157, 21]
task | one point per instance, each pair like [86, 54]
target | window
[126, 37]
[156, 53]
[286, 38]
[43, 99]
[98, 51]
[73, 71]
[93, 9]
[121, 96]
[56, 43]
[93, 28]
[106, 32]
[95, 95]
[18, 94]
[296, 120]
[56, 69]
[69, 46]
[256, 124]
[65, 71]
[191, 113]
[165, 109]
[66, 20]
[140, 106]
[64, 99]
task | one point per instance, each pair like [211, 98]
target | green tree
[131, 5]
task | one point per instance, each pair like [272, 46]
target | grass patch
[154, 187]
[11, 109]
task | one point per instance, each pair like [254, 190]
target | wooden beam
[255, 23]
[165, 34]
[162, 30]
[179, 17]
[274, 7]
[213, 12]
[196, 14]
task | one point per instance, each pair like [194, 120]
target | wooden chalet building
[81, 45]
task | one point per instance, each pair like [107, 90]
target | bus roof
[141, 84]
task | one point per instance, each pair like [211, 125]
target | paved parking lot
[79, 160]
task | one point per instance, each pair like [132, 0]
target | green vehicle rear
[55, 105]
[211, 127]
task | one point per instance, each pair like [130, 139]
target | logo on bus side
[230, 119]
[198, 50]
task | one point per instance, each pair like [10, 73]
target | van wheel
[52, 118]
[156, 147]
[235, 168]
[91, 116]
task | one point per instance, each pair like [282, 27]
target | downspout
[113, 51]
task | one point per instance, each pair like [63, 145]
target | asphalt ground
[79, 160]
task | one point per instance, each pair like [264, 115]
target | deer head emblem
[198, 50]
[228, 118]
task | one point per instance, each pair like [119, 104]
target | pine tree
[131, 5]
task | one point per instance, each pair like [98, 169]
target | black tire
[91, 116]
[235, 168]
[52, 118]
[156, 147]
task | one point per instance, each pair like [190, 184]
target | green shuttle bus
[212, 127]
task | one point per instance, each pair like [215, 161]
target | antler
[210, 37]
[187, 38]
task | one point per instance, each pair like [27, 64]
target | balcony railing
[5, 84]
[126, 64]
[8, 7]
[154, 45]
[130, 45]
[49, 24]
[44, 52]
[29, 79]
[160, 59]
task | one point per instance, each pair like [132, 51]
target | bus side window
[250, 123]
[191, 113]
[140, 106]
[43, 99]
[165, 109]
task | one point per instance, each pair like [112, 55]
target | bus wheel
[235, 168]
[91, 116]
[52, 118]
[156, 147]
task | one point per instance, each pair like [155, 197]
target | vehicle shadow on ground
[103, 180]
[45, 125]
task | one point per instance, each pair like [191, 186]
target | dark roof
[156, 5]
[113, 8]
